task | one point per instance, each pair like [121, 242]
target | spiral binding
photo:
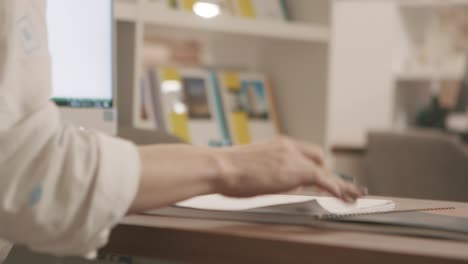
[338, 216]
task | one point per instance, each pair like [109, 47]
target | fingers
[312, 166]
[330, 186]
[333, 185]
[347, 192]
[320, 179]
[312, 152]
[350, 192]
[326, 180]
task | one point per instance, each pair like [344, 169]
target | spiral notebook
[366, 215]
[422, 223]
[287, 204]
[273, 209]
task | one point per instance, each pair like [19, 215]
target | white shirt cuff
[118, 182]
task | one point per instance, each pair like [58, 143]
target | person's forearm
[170, 173]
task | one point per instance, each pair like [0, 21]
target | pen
[344, 176]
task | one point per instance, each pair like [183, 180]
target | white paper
[222, 203]
[332, 205]
[361, 206]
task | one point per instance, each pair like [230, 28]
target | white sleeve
[62, 188]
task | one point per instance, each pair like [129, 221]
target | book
[285, 8]
[420, 223]
[271, 9]
[173, 4]
[262, 9]
[366, 215]
[244, 8]
[159, 51]
[165, 4]
[249, 106]
[272, 209]
[188, 105]
[226, 7]
[144, 105]
[288, 204]
[186, 5]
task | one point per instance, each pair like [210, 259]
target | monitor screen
[80, 44]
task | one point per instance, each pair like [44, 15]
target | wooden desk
[208, 241]
[348, 150]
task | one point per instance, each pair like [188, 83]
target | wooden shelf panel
[427, 76]
[431, 3]
[152, 15]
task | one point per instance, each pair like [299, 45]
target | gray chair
[4, 250]
[417, 164]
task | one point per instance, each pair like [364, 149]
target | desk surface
[210, 241]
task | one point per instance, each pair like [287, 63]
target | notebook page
[332, 205]
[335, 206]
[223, 203]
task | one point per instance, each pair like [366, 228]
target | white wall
[361, 94]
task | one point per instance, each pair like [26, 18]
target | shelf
[427, 76]
[151, 14]
[431, 3]
[124, 11]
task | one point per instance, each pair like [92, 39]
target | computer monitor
[81, 48]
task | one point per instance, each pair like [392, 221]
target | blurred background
[380, 84]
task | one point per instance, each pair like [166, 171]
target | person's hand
[172, 173]
[278, 166]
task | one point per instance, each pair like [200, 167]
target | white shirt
[61, 188]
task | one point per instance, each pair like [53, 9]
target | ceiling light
[206, 10]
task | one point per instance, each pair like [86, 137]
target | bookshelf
[151, 14]
[294, 54]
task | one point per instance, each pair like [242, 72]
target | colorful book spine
[236, 116]
[190, 106]
[174, 111]
[160, 3]
[219, 110]
[249, 107]
[156, 100]
[285, 8]
[173, 4]
[187, 5]
[269, 9]
[262, 9]
[207, 107]
[143, 112]
[227, 7]
[245, 8]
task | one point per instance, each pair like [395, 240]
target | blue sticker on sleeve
[27, 34]
[35, 196]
